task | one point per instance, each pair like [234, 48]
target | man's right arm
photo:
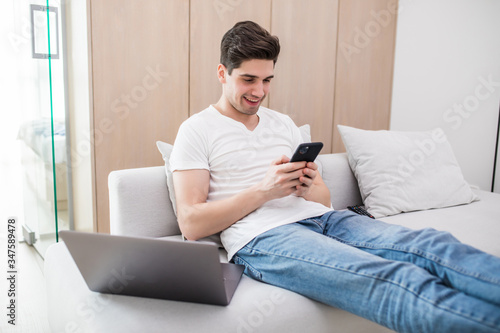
[199, 218]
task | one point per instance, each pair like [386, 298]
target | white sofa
[140, 205]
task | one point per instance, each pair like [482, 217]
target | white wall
[446, 51]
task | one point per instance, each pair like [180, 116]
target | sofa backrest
[140, 204]
[340, 180]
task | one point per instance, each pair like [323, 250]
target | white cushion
[165, 150]
[305, 132]
[475, 224]
[255, 307]
[405, 171]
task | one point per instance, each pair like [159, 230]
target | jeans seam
[249, 266]
[425, 255]
[444, 308]
[314, 220]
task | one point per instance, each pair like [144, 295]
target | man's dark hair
[246, 41]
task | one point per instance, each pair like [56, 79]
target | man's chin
[249, 110]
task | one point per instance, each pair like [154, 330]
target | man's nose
[258, 89]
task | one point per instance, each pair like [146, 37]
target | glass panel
[10, 159]
[42, 128]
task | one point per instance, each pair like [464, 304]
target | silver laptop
[154, 268]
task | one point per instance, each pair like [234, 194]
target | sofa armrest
[139, 203]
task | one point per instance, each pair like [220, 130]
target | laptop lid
[154, 268]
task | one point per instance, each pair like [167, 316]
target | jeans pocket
[249, 269]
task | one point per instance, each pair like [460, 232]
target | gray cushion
[255, 307]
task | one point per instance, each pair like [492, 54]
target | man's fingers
[312, 165]
[288, 167]
[311, 173]
[281, 160]
[306, 180]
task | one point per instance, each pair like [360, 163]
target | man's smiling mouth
[251, 100]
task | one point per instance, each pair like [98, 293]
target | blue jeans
[406, 280]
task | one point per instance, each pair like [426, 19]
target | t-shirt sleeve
[190, 149]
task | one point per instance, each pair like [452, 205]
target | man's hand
[283, 178]
[309, 173]
[199, 218]
[299, 178]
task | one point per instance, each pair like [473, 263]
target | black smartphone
[307, 152]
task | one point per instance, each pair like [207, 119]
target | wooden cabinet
[154, 64]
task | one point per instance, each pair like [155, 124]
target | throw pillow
[405, 171]
[305, 132]
[165, 150]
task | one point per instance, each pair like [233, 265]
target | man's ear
[222, 73]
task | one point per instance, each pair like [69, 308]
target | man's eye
[248, 80]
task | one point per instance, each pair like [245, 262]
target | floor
[30, 299]
[30, 288]
[31, 316]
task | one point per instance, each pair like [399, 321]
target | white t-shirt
[238, 158]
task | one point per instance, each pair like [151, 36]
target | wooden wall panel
[140, 85]
[209, 21]
[154, 64]
[304, 81]
[365, 62]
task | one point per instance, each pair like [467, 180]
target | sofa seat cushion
[255, 307]
[476, 224]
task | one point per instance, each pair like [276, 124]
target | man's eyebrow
[250, 76]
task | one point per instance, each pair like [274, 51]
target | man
[231, 173]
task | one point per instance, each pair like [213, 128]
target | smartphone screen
[307, 152]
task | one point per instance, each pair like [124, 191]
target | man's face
[248, 85]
